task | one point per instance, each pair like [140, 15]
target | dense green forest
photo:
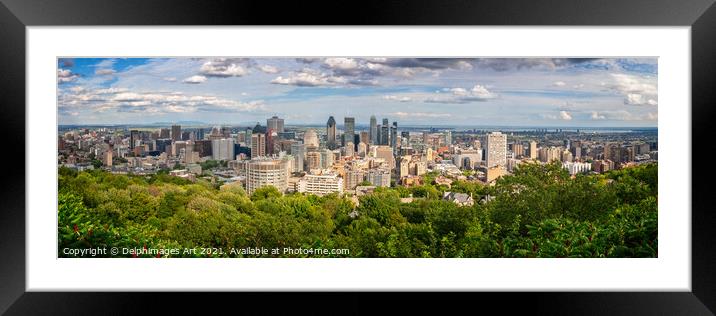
[539, 211]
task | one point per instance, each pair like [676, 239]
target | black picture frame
[15, 15]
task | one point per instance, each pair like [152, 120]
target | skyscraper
[533, 150]
[313, 160]
[271, 142]
[350, 128]
[326, 159]
[373, 133]
[258, 145]
[133, 138]
[518, 149]
[385, 133]
[248, 136]
[222, 149]
[176, 132]
[379, 135]
[364, 137]
[310, 139]
[298, 151]
[331, 133]
[394, 137]
[275, 123]
[576, 149]
[496, 154]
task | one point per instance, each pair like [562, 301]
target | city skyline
[539, 92]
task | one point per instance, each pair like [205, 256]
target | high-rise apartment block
[264, 171]
[496, 154]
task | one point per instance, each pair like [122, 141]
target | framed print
[448, 149]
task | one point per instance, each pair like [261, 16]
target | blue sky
[589, 92]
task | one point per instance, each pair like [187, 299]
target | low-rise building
[461, 199]
[320, 184]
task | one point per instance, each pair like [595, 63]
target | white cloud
[622, 115]
[560, 83]
[343, 64]
[66, 75]
[269, 69]
[304, 79]
[195, 79]
[397, 98]
[636, 90]
[639, 99]
[564, 115]
[170, 79]
[223, 67]
[596, 116]
[154, 102]
[313, 78]
[462, 95]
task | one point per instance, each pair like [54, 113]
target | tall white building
[326, 159]
[496, 147]
[321, 184]
[577, 167]
[223, 149]
[264, 171]
[310, 138]
[349, 152]
[298, 151]
[362, 149]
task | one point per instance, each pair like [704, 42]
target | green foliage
[264, 193]
[209, 164]
[426, 191]
[538, 211]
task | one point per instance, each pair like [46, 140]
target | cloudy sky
[414, 91]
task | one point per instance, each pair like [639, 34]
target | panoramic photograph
[357, 157]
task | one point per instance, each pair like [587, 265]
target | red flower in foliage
[134, 254]
[74, 227]
[159, 255]
[145, 247]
